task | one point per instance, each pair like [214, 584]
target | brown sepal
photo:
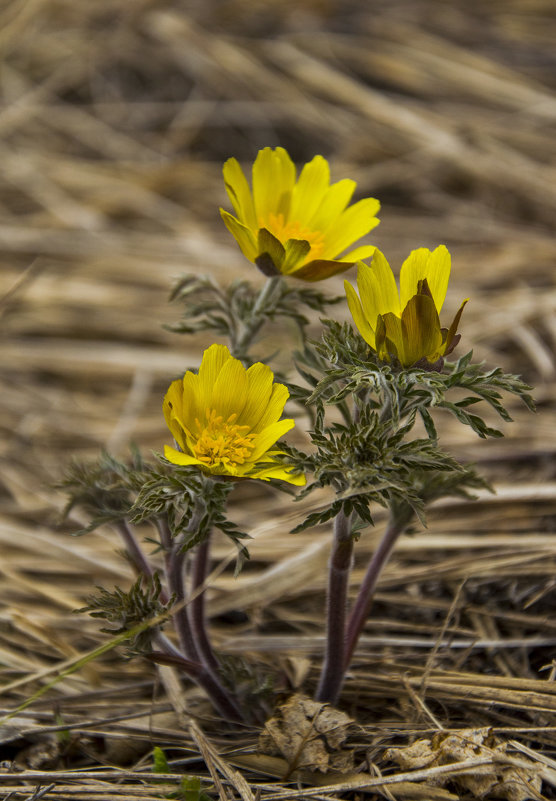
[319, 269]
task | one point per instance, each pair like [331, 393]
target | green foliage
[63, 736]
[240, 311]
[363, 447]
[125, 610]
[160, 763]
[370, 461]
[188, 501]
[371, 457]
[191, 503]
[105, 489]
[190, 788]
[352, 368]
[450, 483]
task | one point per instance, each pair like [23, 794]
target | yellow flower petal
[413, 270]
[239, 192]
[377, 288]
[309, 191]
[177, 457]
[421, 264]
[259, 378]
[214, 358]
[172, 408]
[273, 182]
[275, 408]
[359, 254]
[268, 436]
[194, 401]
[333, 203]
[199, 387]
[243, 236]
[363, 325]
[280, 472]
[351, 225]
[229, 393]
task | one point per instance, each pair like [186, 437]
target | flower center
[283, 231]
[222, 441]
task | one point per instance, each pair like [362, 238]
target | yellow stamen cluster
[222, 442]
[283, 231]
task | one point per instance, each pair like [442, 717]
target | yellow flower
[225, 419]
[405, 327]
[296, 227]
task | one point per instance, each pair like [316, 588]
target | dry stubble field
[115, 119]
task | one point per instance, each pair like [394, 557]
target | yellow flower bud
[405, 327]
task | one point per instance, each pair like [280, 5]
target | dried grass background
[115, 119]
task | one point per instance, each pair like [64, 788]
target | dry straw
[114, 121]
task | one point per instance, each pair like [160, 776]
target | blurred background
[115, 119]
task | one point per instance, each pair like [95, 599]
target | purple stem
[174, 562]
[176, 582]
[361, 608]
[218, 696]
[170, 654]
[167, 544]
[207, 677]
[333, 669]
[196, 609]
[168, 647]
[140, 561]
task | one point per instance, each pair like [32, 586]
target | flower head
[296, 226]
[405, 326]
[225, 419]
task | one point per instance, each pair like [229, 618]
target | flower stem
[333, 669]
[168, 647]
[206, 675]
[176, 583]
[167, 544]
[223, 703]
[140, 561]
[196, 608]
[174, 565]
[397, 524]
[265, 300]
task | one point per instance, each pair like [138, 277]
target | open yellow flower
[405, 327]
[293, 226]
[226, 419]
